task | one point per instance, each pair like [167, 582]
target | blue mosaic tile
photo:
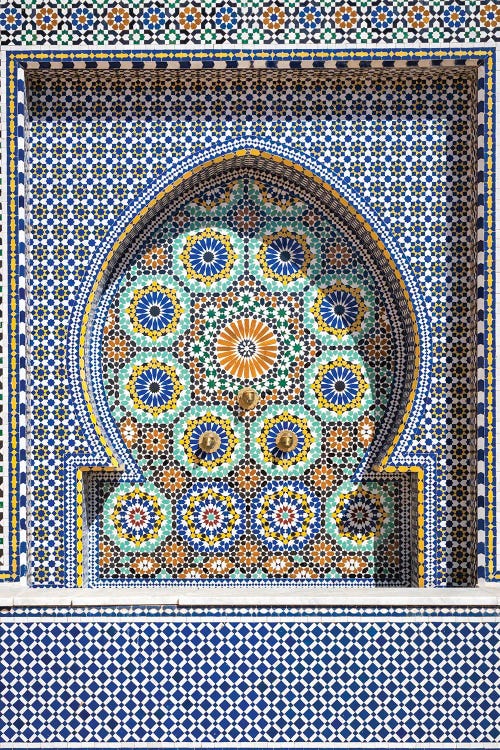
[434, 522]
[377, 676]
[172, 680]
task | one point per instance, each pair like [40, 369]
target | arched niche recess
[251, 274]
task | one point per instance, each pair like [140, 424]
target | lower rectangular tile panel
[164, 676]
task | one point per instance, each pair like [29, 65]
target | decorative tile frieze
[270, 23]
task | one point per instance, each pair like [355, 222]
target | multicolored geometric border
[17, 61]
[212, 22]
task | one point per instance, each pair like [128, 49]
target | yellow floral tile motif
[285, 256]
[210, 516]
[154, 310]
[225, 441]
[137, 516]
[339, 309]
[269, 437]
[208, 256]
[286, 515]
[154, 387]
[339, 386]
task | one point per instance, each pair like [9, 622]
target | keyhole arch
[413, 321]
[112, 451]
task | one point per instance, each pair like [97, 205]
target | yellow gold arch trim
[329, 189]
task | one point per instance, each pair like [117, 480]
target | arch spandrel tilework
[439, 522]
[250, 211]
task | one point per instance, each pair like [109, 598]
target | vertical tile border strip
[481, 464]
[13, 236]
[493, 563]
[4, 504]
[18, 60]
[488, 562]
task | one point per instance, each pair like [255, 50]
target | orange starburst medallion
[246, 348]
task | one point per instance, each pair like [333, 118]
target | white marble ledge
[17, 595]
